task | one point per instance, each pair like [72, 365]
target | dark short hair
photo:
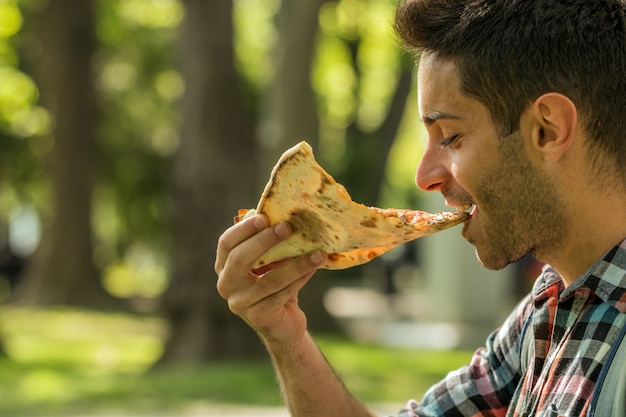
[510, 52]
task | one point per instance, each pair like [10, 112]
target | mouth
[468, 208]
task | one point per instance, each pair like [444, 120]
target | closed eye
[448, 141]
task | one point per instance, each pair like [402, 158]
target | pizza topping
[243, 214]
[418, 217]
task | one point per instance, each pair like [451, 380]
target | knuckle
[237, 258]
[218, 265]
[235, 298]
[222, 289]
[226, 281]
[222, 242]
[235, 306]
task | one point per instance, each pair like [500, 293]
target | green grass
[379, 374]
[64, 362]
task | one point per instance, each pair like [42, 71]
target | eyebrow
[432, 117]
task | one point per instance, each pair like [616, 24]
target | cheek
[468, 166]
[465, 173]
[458, 171]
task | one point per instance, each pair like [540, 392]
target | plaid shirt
[547, 357]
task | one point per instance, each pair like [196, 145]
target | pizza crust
[324, 217]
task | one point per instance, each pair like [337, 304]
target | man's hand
[267, 299]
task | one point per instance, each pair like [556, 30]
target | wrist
[286, 346]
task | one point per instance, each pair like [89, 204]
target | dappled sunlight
[68, 361]
[45, 385]
[60, 358]
[153, 13]
[141, 273]
[97, 343]
[18, 92]
[10, 19]
[255, 36]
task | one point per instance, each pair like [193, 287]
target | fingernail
[317, 258]
[282, 229]
[259, 222]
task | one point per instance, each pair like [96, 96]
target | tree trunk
[213, 174]
[290, 115]
[289, 111]
[63, 271]
[367, 152]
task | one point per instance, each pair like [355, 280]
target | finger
[279, 279]
[237, 234]
[234, 268]
[247, 252]
[277, 287]
[298, 267]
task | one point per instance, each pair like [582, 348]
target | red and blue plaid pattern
[547, 357]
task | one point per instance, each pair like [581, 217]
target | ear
[554, 118]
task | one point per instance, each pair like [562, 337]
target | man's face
[516, 206]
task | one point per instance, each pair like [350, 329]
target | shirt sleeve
[488, 383]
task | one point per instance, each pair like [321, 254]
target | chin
[496, 261]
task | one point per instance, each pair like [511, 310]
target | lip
[466, 224]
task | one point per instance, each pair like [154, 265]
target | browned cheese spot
[308, 224]
[334, 257]
[325, 182]
[371, 222]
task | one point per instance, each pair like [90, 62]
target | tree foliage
[166, 176]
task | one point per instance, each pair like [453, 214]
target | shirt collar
[606, 278]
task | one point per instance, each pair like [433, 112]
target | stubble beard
[520, 209]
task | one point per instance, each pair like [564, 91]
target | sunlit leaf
[10, 19]
[151, 13]
[255, 36]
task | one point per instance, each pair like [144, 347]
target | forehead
[432, 68]
[437, 84]
[439, 93]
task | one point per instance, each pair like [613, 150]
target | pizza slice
[323, 216]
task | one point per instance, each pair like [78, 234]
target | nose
[432, 173]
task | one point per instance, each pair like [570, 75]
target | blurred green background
[75, 362]
[131, 131]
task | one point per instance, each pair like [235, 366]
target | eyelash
[448, 141]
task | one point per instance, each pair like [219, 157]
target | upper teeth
[466, 207]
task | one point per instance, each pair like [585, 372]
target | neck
[596, 224]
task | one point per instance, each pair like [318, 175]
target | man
[524, 104]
